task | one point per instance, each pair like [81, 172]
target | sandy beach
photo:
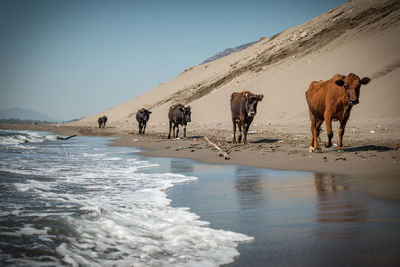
[370, 157]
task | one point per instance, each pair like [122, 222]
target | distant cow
[178, 114]
[142, 116]
[332, 100]
[243, 108]
[102, 121]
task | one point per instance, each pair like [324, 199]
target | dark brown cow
[332, 100]
[243, 108]
[178, 114]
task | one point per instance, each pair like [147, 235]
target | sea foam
[108, 211]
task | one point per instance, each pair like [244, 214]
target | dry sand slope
[360, 36]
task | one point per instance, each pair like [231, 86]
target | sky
[75, 58]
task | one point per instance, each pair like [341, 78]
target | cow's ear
[181, 109]
[365, 80]
[188, 107]
[339, 82]
[149, 112]
[260, 97]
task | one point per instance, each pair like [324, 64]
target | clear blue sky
[74, 58]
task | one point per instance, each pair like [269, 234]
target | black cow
[243, 108]
[142, 116]
[178, 114]
[102, 121]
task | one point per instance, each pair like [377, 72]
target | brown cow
[243, 108]
[332, 100]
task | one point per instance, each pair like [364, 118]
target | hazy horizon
[72, 59]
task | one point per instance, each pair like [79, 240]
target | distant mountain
[227, 52]
[24, 114]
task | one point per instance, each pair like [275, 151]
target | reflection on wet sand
[249, 186]
[296, 218]
[181, 166]
[333, 204]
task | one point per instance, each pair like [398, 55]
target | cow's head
[352, 84]
[145, 114]
[251, 103]
[187, 114]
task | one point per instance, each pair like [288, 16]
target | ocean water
[82, 202]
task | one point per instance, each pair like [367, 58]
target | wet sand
[296, 218]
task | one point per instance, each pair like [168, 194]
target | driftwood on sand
[221, 152]
[65, 138]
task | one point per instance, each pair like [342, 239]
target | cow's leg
[169, 133]
[240, 131]
[144, 127]
[318, 124]
[311, 146]
[315, 131]
[328, 123]
[177, 131]
[234, 131]
[245, 130]
[184, 131]
[314, 146]
[140, 127]
[341, 133]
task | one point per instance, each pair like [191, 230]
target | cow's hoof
[312, 149]
[327, 144]
[340, 149]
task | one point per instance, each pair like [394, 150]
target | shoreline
[266, 214]
[375, 162]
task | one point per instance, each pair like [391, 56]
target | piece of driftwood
[65, 138]
[221, 153]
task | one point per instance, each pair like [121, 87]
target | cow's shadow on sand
[368, 148]
[264, 141]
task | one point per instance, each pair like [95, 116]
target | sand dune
[360, 36]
